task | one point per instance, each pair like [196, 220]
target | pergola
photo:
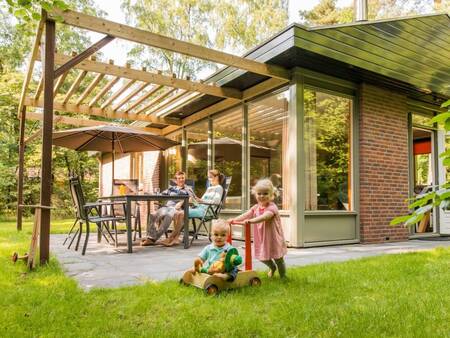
[144, 96]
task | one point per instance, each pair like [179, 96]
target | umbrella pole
[112, 165]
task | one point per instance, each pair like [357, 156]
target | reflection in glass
[268, 124]
[174, 155]
[327, 137]
[197, 156]
[227, 142]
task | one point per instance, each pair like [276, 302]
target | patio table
[128, 199]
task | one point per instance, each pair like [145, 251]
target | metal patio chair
[211, 213]
[91, 212]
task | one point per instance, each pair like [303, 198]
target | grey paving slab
[105, 266]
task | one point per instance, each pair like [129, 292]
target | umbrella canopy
[109, 138]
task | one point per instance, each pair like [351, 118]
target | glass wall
[227, 143]
[173, 154]
[327, 137]
[268, 120]
[197, 156]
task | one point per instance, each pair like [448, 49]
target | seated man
[164, 215]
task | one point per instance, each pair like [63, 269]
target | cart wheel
[14, 257]
[182, 282]
[211, 290]
[255, 281]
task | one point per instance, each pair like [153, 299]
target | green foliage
[15, 43]
[229, 24]
[326, 12]
[423, 203]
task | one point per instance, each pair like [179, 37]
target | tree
[16, 36]
[232, 25]
[327, 12]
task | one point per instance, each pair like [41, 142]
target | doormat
[434, 238]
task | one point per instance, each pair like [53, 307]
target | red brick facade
[383, 163]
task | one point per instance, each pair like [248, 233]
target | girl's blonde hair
[264, 185]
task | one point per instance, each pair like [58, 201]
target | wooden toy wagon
[212, 285]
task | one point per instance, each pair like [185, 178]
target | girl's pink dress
[268, 237]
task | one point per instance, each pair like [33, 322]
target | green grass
[395, 295]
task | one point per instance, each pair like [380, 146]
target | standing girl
[268, 238]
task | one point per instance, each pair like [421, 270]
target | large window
[227, 143]
[268, 121]
[174, 155]
[327, 137]
[197, 156]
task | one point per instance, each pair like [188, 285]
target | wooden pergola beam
[85, 109]
[30, 66]
[83, 55]
[144, 97]
[104, 90]
[83, 123]
[59, 83]
[156, 101]
[75, 85]
[39, 88]
[168, 102]
[90, 88]
[155, 78]
[133, 93]
[117, 94]
[155, 40]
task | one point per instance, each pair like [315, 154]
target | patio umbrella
[110, 138]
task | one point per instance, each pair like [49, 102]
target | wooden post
[47, 130]
[23, 113]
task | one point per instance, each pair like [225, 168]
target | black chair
[211, 212]
[91, 212]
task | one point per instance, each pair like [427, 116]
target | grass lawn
[393, 295]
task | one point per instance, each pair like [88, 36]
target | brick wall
[383, 163]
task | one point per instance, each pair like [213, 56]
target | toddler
[268, 239]
[212, 258]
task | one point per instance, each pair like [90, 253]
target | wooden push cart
[212, 285]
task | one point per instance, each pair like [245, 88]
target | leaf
[440, 118]
[445, 104]
[400, 219]
[414, 220]
[445, 153]
[424, 209]
[36, 16]
[446, 161]
[60, 4]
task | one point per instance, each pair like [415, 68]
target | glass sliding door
[227, 144]
[268, 125]
[197, 156]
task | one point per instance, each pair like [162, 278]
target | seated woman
[212, 196]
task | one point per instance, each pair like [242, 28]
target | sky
[115, 13]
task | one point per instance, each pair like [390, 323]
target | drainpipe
[361, 10]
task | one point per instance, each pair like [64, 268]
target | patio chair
[91, 212]
[131, 187]
[211, 212]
